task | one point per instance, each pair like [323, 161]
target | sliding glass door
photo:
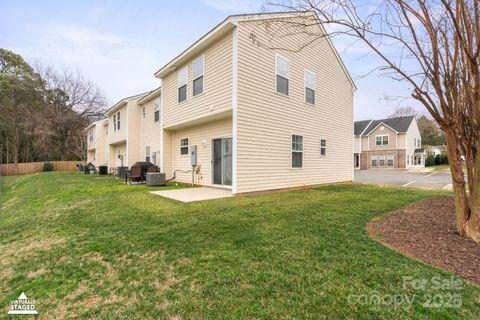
[222, 161]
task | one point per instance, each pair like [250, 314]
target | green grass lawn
[91, 247]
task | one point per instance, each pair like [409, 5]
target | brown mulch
[426, 231]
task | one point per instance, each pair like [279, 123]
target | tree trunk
[462, 207]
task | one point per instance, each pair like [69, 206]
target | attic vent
[382, 127]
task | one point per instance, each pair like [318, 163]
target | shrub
[444, 158]
[47, 166]
[438, 159]
[430, 161]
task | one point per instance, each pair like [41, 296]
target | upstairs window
[147, 153]
[157, 113]
[184, 146]
[381, 140]
[143, 112]
[282, 73]
[323, 147]
[116, 121]
[310, 82]
[419, 144]
[197, 72]
[297, 151]
[182, 84]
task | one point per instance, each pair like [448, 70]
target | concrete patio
[195, 194]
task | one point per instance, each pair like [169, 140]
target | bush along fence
[12, 169]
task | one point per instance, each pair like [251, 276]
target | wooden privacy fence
[12, 169]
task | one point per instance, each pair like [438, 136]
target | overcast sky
[120, 44]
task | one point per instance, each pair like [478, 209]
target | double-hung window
[310, 81]
[184, 146]
[297, 151]
[182, 76]
[390, 158]
[143, 112]
[381, 140]
[282, 74]
[197, 73]
[147, 153]
[323, 147]
[374, 161]
[157, 113]
[116, 121]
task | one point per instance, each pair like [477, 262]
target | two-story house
[97, 146]
[388, 143]
[150, 128]
[124, 132]
[260, 113]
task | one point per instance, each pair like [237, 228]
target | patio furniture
[152, 169]
[135, 174]
[139, 170]
[156, 179]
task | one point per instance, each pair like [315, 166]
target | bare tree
[434, 46]
[404, 112]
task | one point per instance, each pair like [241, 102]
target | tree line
[44, 112]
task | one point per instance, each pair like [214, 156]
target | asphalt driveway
[405, 178]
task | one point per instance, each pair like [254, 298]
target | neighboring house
[124, 132]
[150, 127]
[388, 143]
[97, 146]
[256, 118]
[259, 118]
[435, 150]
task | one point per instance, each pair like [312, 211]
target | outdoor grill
[89, 168]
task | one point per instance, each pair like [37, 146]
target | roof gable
[398, 124]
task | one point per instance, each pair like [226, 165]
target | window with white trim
[419, 143]
[184, 146]
[381, 160]
[297, 151]
[182, 76]
[323, 147]
[390, 158]
[282, 75]
[143, 112]
[116, 121]
[310, 82]
[381, 140]
[157, 113]
[373, 160]
[197, 73]
[147, 153]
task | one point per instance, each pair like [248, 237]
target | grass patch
[92, 247]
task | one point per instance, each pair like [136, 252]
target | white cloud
[119, 65]
[238, 6]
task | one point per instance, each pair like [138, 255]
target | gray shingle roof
[359, 126]
[399, 124]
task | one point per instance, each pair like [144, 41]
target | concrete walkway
[195, 194]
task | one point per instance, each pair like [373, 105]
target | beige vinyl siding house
[149, 107]
[388, 143]
[253, 117]
[124, 132]
[268, 119]
[241, 127]
[97, 143]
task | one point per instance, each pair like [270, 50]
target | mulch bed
[426, 231]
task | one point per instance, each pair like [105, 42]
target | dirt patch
[426, 231]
